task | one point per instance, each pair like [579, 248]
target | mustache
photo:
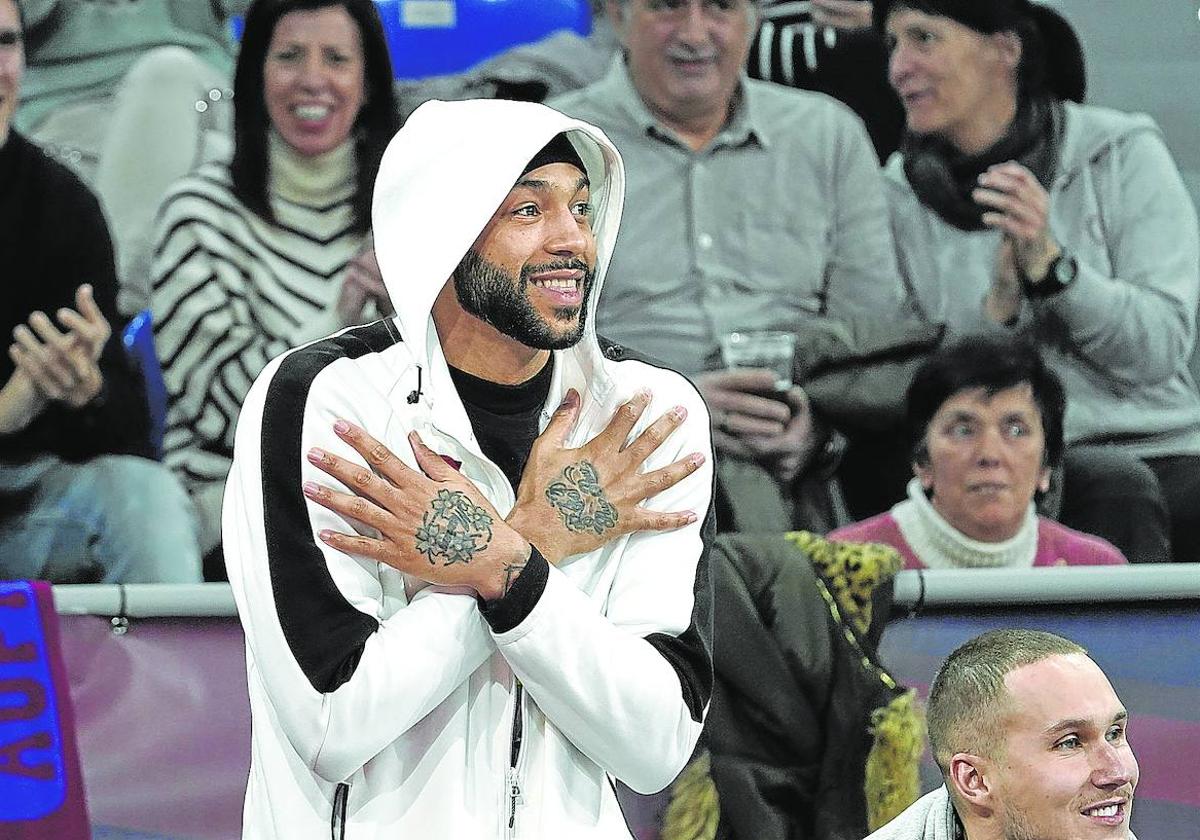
[686, 53]
[573, 264]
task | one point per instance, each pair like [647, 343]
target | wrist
[522, 595]
[523, 521]
[1058, 276]
[1039, 269]
[508, 558]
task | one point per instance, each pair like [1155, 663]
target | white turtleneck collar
[311, 181]
[940, 545]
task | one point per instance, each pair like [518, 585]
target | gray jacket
[929, 818]
[1121, 336]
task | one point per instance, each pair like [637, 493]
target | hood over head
[443, 176]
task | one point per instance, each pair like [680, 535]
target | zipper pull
[515, 797]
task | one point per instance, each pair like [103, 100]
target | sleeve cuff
[505, 613]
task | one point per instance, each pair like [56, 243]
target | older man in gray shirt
[748, 206]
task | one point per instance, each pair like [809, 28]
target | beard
[496, 297]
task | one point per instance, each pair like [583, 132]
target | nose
[693, 25]
[988, 446]
[566, 235]
[900, 66]
[312, 73]
[1113, 766]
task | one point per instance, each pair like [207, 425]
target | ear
[1008, 48]
[970, 783]
[924, 474]
[1043, 484]
[618, 16]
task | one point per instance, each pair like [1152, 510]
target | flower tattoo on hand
[579, 500]
[454, 529]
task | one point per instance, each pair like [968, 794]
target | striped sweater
[231, 291]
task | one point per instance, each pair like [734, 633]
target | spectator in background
[1014, 209]
[831, 47]
[748, 206]
[986, 419]
[271, 249]
[76, 504]
[130, 95]
[1030, 739]
[826, 45]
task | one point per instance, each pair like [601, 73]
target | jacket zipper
[337, 821]
[513, 781]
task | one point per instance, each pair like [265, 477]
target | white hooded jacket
[379, 715]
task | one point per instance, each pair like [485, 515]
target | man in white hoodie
[1030, 738]
[510, 607]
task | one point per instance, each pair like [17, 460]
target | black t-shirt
[505, 417]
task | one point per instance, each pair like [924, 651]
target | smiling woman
[271, 249]
[986, 422]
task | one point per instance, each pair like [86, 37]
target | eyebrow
[539, 184]
[1080, 723]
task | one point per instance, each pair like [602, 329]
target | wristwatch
[1061, 273]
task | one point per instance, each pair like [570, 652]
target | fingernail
[311, 489]
[679, 412]
[325, 535]
[691, 517]
[698, 459]
[643, 394]
[570, 399]
[341, 427]
[316, 455]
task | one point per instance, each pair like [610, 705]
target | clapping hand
[362, 284]
[63, 366]
[842, 14]
[1019, 206]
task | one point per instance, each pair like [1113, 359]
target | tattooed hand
[434, 524]
[576, 500]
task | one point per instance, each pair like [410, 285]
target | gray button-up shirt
[781, 217]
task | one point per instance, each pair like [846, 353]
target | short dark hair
[1051, 55]
[373, 129]
[967, 697]
[993, 364]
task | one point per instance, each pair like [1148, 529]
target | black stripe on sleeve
[691, 652]
[325, 633]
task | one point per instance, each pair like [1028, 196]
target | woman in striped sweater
[271, 249]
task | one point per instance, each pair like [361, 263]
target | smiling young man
[470, 568]
[1031, 740]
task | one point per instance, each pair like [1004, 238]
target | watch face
[1065, 269]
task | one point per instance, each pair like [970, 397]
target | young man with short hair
[1031, 741]
[470, 568]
